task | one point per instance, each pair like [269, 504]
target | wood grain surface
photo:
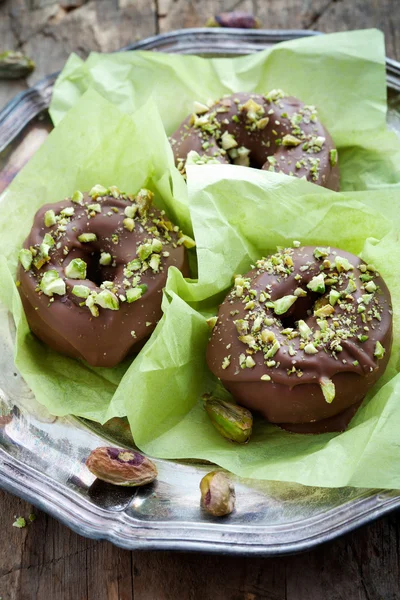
[46, 561]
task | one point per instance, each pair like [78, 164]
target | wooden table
[46, 561]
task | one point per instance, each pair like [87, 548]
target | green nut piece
[370, 287]
[50, 218]
[77, 197]
[86, 238]
[129, 224]
[317, 284]
[290, 140]
[25, 258]
[97, 191]
[379, 351]
[333, 157]
[52, 284]
[15, 65]
[351, 287]
[69, 211]
[144, 200]
[333, 297]
[105, 259]
[121, 467]
[228, 141]
[155, 262]
[321, 252]
[233, 422]
[156, 245]
[81, 291]
[328, 389]
[283, 304]
[187, 241]
[130, 211]
[342, 264]
[76, 269]
[218, 495]
[94, 208]
[144, 251]
[107, 299]
[304, 329]
[135, 293]
[134, 265]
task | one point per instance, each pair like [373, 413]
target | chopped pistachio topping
[94, 208]
[228, 141]
[304, 329]
[52, 283]
[86, 238]
[187, 241]
[334, 296]
[290, 140]
[76, 269]
[69, 211]
[342, 264]
[98, 191]
[129, 224]
[283, 304]
[317, 284]
[379, 351]
[321, 252]
[333, 157]
[211, 322]
[106, 299]
[144, 251]
[144, 199]
[91, 304]
[199, 108]
[50, 218]
[133, 294]
[105, 259]
[77, 197]
[296, 244]
[25, 258]
[81, 291]
[130, 211]
[310, 349]
[328, 389]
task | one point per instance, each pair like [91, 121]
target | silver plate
[42, 457]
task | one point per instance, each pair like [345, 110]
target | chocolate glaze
[262, 143]
[297, 398]
[61, 322]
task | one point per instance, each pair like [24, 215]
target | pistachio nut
[121, 467]
[232, 421]
[217, 494]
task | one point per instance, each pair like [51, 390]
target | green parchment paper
[239, 215]
[342, 74]
[96, 143]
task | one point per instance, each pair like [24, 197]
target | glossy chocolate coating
[61, 321]
[262, 143]
[292, 399]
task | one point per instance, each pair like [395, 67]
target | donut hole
[95, 271]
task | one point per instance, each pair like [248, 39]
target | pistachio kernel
[76, 269]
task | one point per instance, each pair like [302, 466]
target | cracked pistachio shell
[232, 421]
[217, 494]
[121, 467]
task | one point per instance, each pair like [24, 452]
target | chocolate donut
[275, 132]
[92, 272]
[303, 336]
